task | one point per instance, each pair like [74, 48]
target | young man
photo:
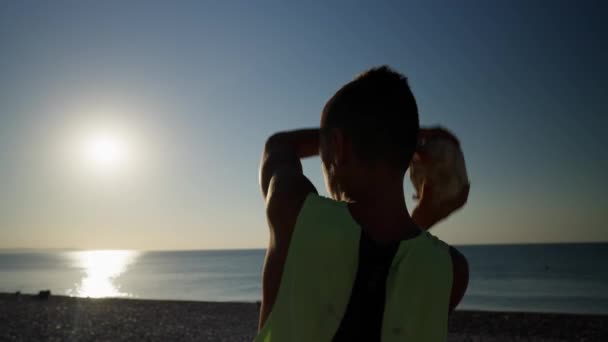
[356, 267]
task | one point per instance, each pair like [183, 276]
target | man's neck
[382, 212]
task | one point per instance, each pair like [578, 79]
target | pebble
[59, 318]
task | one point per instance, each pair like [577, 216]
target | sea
[562, 278]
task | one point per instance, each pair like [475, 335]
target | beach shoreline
[59, 318]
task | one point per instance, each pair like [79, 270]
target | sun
[105, 151]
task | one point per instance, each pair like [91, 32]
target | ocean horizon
[24, 249]
[556, 277]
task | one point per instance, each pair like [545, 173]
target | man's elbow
[277, 151]
[275, 141]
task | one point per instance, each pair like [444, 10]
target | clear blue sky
[196, 87]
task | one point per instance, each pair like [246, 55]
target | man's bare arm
[460, 278]
[285, 189]
[426, 214]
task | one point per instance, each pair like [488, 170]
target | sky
[188, 91]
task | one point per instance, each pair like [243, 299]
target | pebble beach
[59, 318]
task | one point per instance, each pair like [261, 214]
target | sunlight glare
[101, 268]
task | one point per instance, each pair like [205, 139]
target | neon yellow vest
[320, 271]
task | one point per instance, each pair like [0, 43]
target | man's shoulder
[319, 209]
[320, 201]
[433, 241]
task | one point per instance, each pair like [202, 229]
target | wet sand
[58, 318]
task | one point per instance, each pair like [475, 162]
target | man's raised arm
[285, 189]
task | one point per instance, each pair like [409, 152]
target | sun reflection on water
[101, 268]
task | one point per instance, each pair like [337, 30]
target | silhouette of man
[358, 266]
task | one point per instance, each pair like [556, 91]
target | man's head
[370, 124]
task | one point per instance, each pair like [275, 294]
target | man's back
[365, 311]
[338, 284]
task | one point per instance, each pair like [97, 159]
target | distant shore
[59, 318]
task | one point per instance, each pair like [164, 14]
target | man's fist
[439, 175]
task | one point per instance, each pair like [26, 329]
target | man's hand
[425, 134]
[427, 213]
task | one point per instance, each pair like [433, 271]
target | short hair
[378, 113]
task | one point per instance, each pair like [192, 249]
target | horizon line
[262, 248]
